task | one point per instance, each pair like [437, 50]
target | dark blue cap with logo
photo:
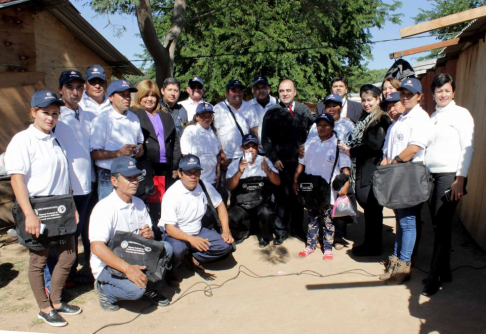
[260, 79]
[204, 107]
[196, 79]
[232, 84]
[120, 86]
[325, 117]
[126, 166]
[69, 75]
[95, 71]
[44, 98]
[189, 162]
[393, 97]
[249, 138]
[334, 98]
[412, 85]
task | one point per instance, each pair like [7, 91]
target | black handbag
[137, 250]
[146, 185]
[315, 191]
[56, 212]
[252, 191]
[402, 185]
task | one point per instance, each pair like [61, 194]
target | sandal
[306, 252]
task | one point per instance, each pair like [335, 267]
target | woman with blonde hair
[161, 146]
[365, 147]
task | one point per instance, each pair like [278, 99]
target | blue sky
[129, 43]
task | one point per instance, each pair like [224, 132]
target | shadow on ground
[7, 274]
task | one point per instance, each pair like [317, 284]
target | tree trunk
[162, 54]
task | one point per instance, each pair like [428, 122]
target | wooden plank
[444, 22]
[424, 48]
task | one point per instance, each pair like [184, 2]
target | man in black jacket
[350, 109]
[285, 128]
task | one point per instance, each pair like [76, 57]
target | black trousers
[442, 215]
[373, 213]
[289, 212]
[240, 220]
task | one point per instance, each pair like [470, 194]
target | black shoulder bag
[314, 191]
[137, 250]
[56, 212]
[234, 118]
[146, 185]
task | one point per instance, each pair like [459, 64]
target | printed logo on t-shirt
[330, 158]
[399, 136]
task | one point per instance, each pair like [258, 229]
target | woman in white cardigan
[448, 158]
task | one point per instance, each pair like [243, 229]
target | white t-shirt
[190, 105]
[319, 159]
[112, 214]
[452, 145]
[92, 107]
[261, 111]
[37, 156]
[74, 135]
[185, 209]
[228, 133]
[205, 145]
[251, 170]
[411, 128]
[111, 131]
[343, 127]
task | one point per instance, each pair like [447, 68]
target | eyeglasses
[96, 81]
[195, 86]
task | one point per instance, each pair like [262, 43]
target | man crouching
[183, 207]
[120, 211]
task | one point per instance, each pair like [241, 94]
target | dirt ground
[272, 290]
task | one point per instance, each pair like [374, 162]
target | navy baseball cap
[189, 162]
[412, 85]
[120, 86]
[326, 117]
[204, 107]
[44, 98]
[232, 84]
[260, 79]
[393, 97]
[69, 75]
[196, 79]
[249, 138]
[334, 98]
[126, 166]
[95, 71]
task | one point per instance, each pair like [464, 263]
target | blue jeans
[116, 289]
[105, 187]
[81, 202]
[406, 232]
[217, 249]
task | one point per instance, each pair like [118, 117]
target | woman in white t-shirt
[199, 138]
[448, 158]
[406, 141]
[38, 167]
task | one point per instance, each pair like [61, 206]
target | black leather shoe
[431, 287]
[263, 243]
[52, 318]
[279, 240]
[68, 309]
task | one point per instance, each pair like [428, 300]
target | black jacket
[151, 144]
[282, 134]
[370, 153]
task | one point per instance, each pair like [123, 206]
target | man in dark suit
[350, 109]
[285, 128]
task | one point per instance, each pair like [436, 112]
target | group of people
[218, 173]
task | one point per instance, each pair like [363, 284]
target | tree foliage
[441, 8]
[309, 41]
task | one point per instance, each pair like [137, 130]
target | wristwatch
[398, 159]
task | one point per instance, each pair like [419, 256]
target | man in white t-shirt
[195, 89]
[183, 208]
[121, 211]
[262, 102]
[250, 180]
[115, 133]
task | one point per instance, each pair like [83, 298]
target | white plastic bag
[342, 208]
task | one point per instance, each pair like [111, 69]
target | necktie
[290, 111]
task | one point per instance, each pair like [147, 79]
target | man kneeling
[249, 179]
[120, 211]
[183, 207]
